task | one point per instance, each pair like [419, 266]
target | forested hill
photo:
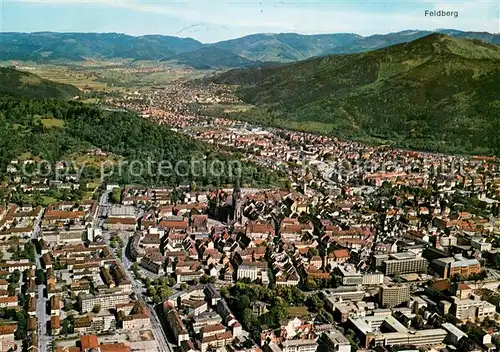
[436, 93]
[46, 46]
[23, 84]
[289, 47]
[210, 58]
[79, 127]
[238, 52]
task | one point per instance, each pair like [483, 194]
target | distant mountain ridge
[43, 46]
[239, 52]
[435, 93]
[210, 57]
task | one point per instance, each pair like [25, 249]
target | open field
[62, 74]
[297, 311]
[94, 160]
[105, 75]
[52, 123]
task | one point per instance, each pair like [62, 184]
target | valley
[161, 194]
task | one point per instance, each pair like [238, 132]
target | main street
[156, 327]
[44, 340]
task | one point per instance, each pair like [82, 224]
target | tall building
[391, 296]
[404, 263]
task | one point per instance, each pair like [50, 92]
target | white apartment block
[105, 301]
[253, 271]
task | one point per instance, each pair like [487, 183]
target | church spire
[237, 202]
[237, 188]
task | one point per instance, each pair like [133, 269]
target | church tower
[237, 203]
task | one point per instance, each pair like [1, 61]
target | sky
[215, 20]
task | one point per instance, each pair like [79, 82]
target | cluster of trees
[19, 83]
[115, 196]
[117, 244]
[353, 339]
[40, 276]
[490, 296]
[241, 295]
[474, 206]
[116, 241]
[13, 280]
[207, 279]
[68, 325]
[19, 315]
[47, 197]
[27, 252]
[159, 289]
[318, 284]
[473, 277]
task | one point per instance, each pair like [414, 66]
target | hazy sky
[213, 20]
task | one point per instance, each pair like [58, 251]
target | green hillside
[37, 119]
[210, 58]
[23, 84]
[435, 93]
[285, 47]
[288, 47]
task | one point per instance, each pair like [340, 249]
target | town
[365, 248]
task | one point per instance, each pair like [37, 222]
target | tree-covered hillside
[23, 84]
[46, 46]
[288, 47]
[210, 58]
[256, 48]
[435, 93]
[122, 133]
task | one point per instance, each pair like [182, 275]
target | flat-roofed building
[121, 211]
[456, 266]
[404, 263]
[368, 329]
[343, 294]
[71, 236]
[205, 319]
[299, 346]
[334, 341]
[432, 337]
[104, 300]
[253, 271]
[471, 309]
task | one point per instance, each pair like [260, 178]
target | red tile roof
[89, 341]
